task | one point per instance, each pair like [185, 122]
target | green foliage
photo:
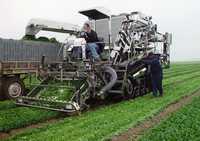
[58, 91]
[22, 116]
[181, 126]
[180, 67]
[7, 104]
[31, 81]
[182, 77]
[182, 72]
[29, 37]
[53, 40]
[42, 38]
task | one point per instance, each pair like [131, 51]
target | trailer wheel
[13, 88]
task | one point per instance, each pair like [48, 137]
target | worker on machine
[91, 40]
[156, 73]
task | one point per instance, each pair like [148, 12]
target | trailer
[11, 84]
[22, 58]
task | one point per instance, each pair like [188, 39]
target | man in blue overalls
[156, 73]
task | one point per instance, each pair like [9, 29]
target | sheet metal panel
[102, 27]
[18, 50]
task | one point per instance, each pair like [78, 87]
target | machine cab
[93, 15]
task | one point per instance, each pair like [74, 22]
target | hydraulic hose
[113, 79]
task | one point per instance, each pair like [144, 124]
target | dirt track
[134, 133]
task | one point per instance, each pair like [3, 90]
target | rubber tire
[129, 94]
[135, 92]
[10, 81]
[143, 89]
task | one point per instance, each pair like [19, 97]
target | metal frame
[19, 67]
[123, 74]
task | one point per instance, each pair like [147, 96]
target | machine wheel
[143, 89]
[132, 89]
[13, 88]
[137, 87]
[129, 90]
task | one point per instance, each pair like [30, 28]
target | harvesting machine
[125, 40]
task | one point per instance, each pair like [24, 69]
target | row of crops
[181, 126]
[104, 122]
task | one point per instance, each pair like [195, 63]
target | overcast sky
[180, 17]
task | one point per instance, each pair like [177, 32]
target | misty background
[179, 17]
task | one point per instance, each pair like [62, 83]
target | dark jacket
[154, 63]
[91, 37]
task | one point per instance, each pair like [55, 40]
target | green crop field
[181, 126]
[104, 122]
